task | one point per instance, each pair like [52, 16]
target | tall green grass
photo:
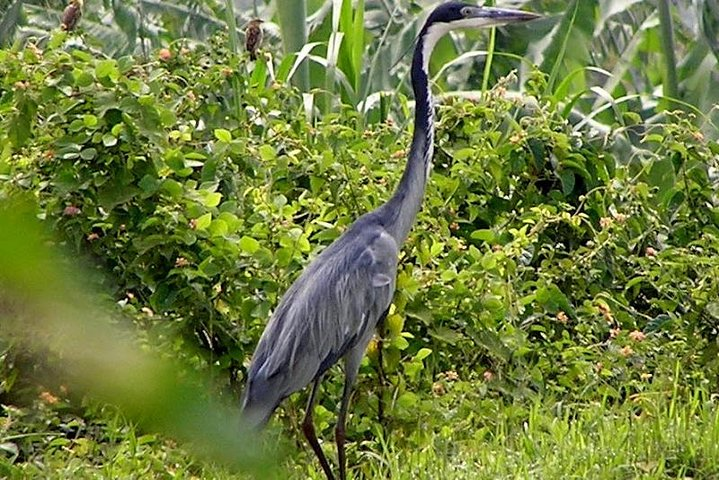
[659, 435]
[648, 437]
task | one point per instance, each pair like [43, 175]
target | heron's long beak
[491, 16]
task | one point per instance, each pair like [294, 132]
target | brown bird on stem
[253, 37]
[71, 15]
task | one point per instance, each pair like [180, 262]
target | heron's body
[328, 313]
[332, 309]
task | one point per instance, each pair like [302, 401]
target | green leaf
[210, 267]
[662, 176]
[167, 117]
[446, 335]
[464, 153]
[489, 261]
[218, 228]
[249, 244]
[284, 256]
[202, 222]
[484, 235]
[21, 125]
[223, 135]
[422, 354]
[394, 324]
[568, 181]
[173, 187]
[258, 80]
[553, 299]
[267, 153]
[413, 370]
[211, 199]
[634, 281]
[88, 154]
[149, 184]
[712, 309]
[492, 302]
[400, 343]
[407, 400]
[176, 161]
[494, 345]
[107, 69]
[109, 140]
[83, 78]
[89, 120]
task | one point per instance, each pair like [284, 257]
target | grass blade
[293, 27]
[671, 84]
[567, 27]
[490, 55]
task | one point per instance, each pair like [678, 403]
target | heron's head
[452, 15]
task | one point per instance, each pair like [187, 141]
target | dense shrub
[545, 260]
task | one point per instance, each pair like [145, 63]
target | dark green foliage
[544, 261]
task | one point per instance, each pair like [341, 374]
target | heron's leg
[380, 367]
[308, 428]
[380, 374]
[352, 364]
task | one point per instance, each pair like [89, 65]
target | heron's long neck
[407, 199]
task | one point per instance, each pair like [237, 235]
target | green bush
[545, 261]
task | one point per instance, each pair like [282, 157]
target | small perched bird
[71, 15]
[253, 37]
[331, 311]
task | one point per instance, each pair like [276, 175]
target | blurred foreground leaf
[46, 304]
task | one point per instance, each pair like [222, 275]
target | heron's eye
[466, 11]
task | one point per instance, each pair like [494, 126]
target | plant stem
[671, 85]
[490, 54]
[232, 27]
[235, 47]
[563, 48]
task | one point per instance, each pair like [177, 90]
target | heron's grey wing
[328, 310]
[361, 296]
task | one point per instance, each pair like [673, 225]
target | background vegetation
[557, 302]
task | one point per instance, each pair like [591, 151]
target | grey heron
[333, 308]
